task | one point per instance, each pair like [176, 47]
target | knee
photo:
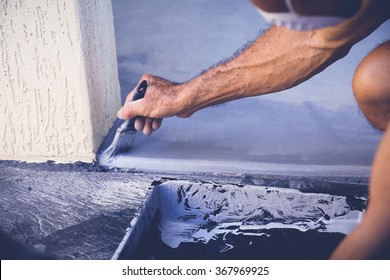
[371, 86]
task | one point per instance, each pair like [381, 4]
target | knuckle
[125, 111]
[147, 77]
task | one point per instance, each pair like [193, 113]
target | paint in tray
[204, 220]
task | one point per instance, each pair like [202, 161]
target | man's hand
[162, 99]
[277, 60]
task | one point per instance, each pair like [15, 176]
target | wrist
[187, 98]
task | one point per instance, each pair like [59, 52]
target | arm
[282, 58]
[277, 60]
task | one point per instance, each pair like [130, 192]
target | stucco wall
[59, 89]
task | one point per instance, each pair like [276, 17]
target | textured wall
[59, 89]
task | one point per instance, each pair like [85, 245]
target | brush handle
[140, 91]
[138, 94]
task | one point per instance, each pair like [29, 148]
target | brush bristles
[122, 142]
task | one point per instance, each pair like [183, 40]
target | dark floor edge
[329, 184]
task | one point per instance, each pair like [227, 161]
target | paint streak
[200, 212]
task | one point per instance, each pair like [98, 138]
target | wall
[59, 89]
[316, 125]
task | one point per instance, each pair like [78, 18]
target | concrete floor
[82, 211]
[66, 212]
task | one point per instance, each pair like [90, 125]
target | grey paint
[316, 123]
[199, 212]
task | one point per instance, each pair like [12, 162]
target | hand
[162, 99]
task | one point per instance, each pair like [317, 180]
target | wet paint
[317, 123]
[184, 218]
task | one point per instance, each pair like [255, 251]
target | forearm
[277, 60]
[283, 58]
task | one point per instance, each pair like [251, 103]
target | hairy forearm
[282, 58]
[277, 60]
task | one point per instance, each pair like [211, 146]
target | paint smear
[199, 212]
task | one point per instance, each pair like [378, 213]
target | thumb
[130, 110]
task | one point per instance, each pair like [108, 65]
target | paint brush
[120, 138]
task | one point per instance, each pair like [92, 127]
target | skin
[372, 91]
[280, 59]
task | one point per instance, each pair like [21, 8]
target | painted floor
[183, 219]
[81, 211]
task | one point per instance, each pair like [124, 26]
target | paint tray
[202, 220]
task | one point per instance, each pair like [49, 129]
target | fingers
[139, 123]
[156, 124]
[160, 101]
[130, 110]
[133, 109]
[147, 125]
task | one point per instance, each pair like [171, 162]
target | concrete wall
[59, 89]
